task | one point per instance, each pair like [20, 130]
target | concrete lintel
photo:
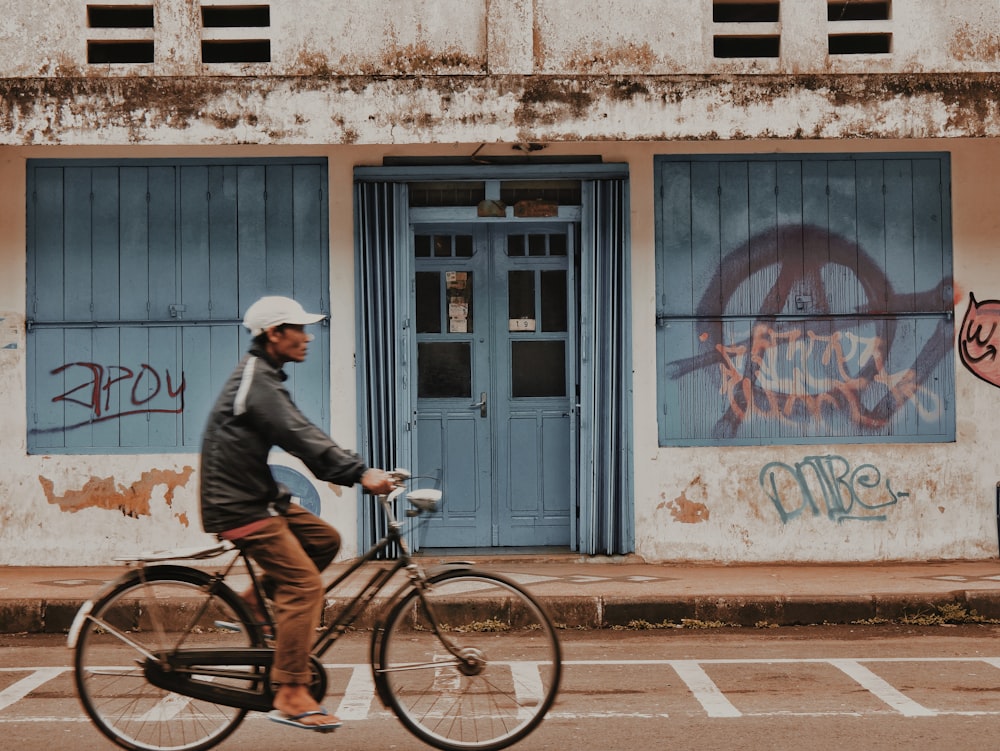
[492, 109]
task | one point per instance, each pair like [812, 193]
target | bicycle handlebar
[422, 499]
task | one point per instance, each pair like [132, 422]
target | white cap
[274, 311]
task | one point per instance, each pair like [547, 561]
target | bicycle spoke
[504, 679]
[138, 621]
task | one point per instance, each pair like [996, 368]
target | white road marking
[704, 689]
[527, 687]
[25, 686]
[359, 694]
[882, 689]
[166, 708]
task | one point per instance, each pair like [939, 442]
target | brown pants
[292, 550]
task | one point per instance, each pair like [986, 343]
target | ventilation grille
[851, 27]
[232, 34]
[746, 30]
[120, 34]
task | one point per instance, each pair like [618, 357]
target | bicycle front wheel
[149, 613]
[471, 663]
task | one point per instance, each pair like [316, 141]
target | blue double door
[496, 380]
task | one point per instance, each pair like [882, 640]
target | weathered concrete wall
[84, 510]
[709, 504]
[691, 504]
[510, 109]
[356, 82]
[494, 37]
[426, 71]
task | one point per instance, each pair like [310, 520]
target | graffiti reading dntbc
[138, 392]
[844, 493]
[978, 339]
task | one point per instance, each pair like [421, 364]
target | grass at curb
[951, 614]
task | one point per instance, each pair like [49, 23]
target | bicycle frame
[466, 659]
[184, 671]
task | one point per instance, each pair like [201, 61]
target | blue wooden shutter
[804, 299]
[138, 274]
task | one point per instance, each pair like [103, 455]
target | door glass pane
[521, 295]
[562, 192]
[538, 368]
[463, 246]
[515, 245]
[536, 245]
[428, 302]
[554, 301]
[459, 284]
[442, 246]
[557, 245]
[447, 193]
[444, 369]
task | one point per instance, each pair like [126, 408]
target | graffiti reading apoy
[844, 493]
[978, 339]
[140, 392]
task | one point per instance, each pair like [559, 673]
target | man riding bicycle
[241, 502]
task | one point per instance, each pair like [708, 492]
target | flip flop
[276, 715]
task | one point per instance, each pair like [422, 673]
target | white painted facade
[625, 81]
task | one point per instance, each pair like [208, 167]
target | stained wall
[623, 81]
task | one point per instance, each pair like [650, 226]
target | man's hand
[377, 481]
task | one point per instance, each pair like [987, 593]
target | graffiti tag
[832, 371]
[110, 392]
[978, 340]
[797, 374]
[828, 484]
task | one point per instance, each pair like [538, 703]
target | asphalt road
[842, 687]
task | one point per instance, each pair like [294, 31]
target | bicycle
[168, 657]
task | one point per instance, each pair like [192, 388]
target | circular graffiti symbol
[802, 357]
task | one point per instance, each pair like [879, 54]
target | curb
[593, 612]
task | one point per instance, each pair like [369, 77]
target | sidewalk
[600, 592]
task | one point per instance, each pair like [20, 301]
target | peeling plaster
[132, 501]
[686, 511]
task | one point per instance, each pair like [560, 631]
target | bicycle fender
[450, 566]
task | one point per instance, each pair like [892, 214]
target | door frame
[603, 522]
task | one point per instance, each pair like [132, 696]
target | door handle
[481, 404]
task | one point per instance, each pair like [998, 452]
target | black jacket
[253, 413]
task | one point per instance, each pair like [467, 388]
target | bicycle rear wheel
[147, 613]
[505, 680]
